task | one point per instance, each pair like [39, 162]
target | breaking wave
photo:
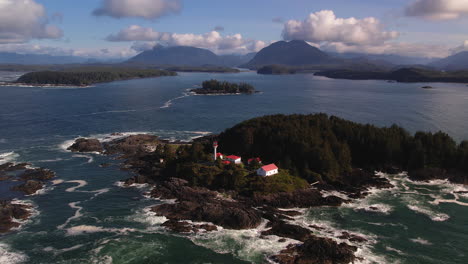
[8, 256]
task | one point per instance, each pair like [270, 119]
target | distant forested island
[87, 76]
[214, 69]
[276, 70]
[401, 75]
[217, 87]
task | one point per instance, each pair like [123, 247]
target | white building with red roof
[267, 170]
[234, 159]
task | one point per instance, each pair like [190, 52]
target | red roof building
[254, 159]
[268, 170]
[235, 159]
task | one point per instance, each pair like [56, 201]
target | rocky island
[408, 75]
[215, 87]
[88, 76]
[25, 180]
[315, 153]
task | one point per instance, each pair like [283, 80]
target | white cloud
[27, 48]
[399, 48]
[147, 9]
[23, 20]
[437, 9]
[461, 48]
[212, 40]
[324, 26]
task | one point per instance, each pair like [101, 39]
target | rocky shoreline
[198, 209]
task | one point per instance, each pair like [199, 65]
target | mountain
[235, 60]
[383, 59]
[176, 56]
[455, 62]
[293, 53]
[35, 59]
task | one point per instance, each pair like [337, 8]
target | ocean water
[84, 216]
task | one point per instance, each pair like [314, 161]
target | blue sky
[399, 26]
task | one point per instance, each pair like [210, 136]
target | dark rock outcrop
[29, 187]
[86, 145]
[316, 250]
[10, 213]
[37, 174]
[203, 205]
[283, 229]
[185, 227]
[428, 174]
[301, 198]
[131, 144]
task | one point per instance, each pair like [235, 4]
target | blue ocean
[86, 216]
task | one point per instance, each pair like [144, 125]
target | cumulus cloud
[437, 9]
[461, 48]
[23, 20]
[324, 26]
[109, 53]
[399, 48]
[147, 9]
[212, 40]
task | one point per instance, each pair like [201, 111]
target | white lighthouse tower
[215, 147]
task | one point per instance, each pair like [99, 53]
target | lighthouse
[215, 147]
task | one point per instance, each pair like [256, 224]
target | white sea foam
[88, 229]
[81, 183]
[421, 241]
[77, 214]
[334, 193]
[33, 211]
[50, 160]
[57, 182]
[147, 216]
[169, 102]
[434, 216]
[66, 144]
[8, 157]
[374, 208]
[90, 158]
[8, 256]
[249, 244]
[399, 252]
[63, 250]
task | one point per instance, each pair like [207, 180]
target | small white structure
[234, 159]
[215, 147]
[267, 170]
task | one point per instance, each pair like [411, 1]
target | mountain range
[295, 53]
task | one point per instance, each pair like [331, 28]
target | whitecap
[249, 244]
[63, 250]
[434, 216]
[8, 157]
[77, 214]
[89, 229]
[169, 102]
[7, 256]
[90, 158]
[81, 183]
[57, 182]
[421, 241]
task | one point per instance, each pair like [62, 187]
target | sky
[123, 28]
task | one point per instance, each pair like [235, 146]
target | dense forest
[86, 76]
[217, 87]
[215, 69]
[194, 163]
[322, 148]
[400, 75]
